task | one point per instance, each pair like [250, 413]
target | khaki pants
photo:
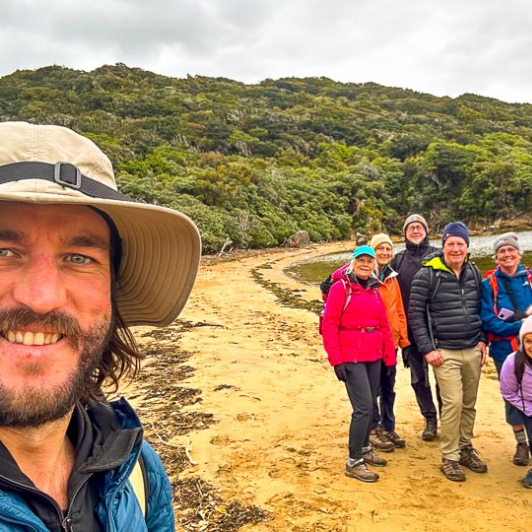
[458, 379]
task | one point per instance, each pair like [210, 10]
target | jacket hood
[435, 260]
[117, 430]
[340, 273]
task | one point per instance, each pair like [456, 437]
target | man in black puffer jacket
[444, 314]
[407, 263]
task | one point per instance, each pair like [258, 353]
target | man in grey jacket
[444, 314]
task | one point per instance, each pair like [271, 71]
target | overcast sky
[443, 47]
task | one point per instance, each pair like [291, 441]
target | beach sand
[279, 440]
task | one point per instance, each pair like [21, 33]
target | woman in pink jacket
[357, 337]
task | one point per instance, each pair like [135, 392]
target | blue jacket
[115, 448]
[492, 324]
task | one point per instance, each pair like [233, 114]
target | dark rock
[301, 239]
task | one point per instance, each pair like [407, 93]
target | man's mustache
[54, 321]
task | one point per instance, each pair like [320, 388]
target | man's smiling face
[55, 307]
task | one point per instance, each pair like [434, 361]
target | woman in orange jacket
[383, 434]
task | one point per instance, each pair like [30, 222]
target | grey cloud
[438, 46]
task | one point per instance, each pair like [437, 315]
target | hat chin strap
[64, 174]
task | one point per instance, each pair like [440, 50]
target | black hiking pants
[383, 406]
[362, 386]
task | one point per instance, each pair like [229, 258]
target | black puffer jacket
[444, 311]
[407, 263]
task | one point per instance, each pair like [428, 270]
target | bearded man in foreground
[79, 263]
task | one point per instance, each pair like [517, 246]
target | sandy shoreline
[282, 417]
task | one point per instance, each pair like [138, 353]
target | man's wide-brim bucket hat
[161, 247]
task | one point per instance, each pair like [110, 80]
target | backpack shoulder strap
[138, 480]
[478, 277]
[434, 283]
[494, 285]
[529, 276]
[489, 273]
[400, 258]
[519, 366]
[348, 293]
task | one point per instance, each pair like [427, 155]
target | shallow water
[315, 270]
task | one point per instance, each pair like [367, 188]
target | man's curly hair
[120, 358]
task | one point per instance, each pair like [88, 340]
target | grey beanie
[415, 218]
[506, 239]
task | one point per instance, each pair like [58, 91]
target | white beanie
[526, 328]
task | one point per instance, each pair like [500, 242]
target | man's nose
[41, 285]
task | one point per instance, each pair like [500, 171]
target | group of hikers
[433, 305]
[80, 263]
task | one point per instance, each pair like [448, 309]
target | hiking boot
[378, 439]
[522, 455]
[527, 481]
[431, 430]
[395, 439]
[452, 470]
[360, 471]
[469, 458]
[372, 458]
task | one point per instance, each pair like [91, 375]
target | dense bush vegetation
[255, 163]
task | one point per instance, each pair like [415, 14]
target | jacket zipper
[66, 523]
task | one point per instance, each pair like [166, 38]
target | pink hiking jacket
[361, 332]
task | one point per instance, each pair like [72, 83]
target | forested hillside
[255, 163]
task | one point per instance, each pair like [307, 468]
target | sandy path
[281, 437]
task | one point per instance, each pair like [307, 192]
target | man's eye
[4, 252]
[79, 259]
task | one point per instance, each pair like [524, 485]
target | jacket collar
[373, 282]
[417, 249]
[104, 435]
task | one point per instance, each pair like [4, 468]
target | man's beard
[37, 404]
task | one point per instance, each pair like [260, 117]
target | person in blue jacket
[506, 298]
[79, 264]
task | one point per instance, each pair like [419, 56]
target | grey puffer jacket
[444, 310]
